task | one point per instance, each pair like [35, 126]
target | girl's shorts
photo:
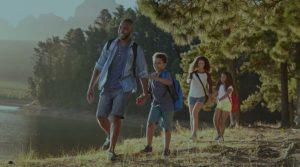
[224, 105]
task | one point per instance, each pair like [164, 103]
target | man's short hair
[127, 20]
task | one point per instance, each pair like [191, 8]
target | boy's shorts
[112, 102]
[164, 117]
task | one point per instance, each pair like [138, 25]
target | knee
[116, 121]
[101, 119]
[150, 125]
[195, 113]
[167, 131]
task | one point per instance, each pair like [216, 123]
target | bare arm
[94, 78]
[228, 92]
[144, 96]
[144, 83]
[164, 81]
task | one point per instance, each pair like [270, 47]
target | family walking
[122, 61]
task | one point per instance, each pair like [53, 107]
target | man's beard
[124, 37]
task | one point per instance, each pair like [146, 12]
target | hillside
[259, 146]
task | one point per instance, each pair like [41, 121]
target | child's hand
[153, 76]
[141, 99]
[211, 100]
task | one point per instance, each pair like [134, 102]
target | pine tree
[260, 33]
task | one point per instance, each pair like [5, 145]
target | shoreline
[72, 114]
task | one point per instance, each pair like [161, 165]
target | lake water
[50, 136]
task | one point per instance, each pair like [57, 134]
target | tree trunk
[284, 96]
[297, 60]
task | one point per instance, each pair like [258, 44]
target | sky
[15, 10]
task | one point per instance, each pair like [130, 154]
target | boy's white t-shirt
[222, 91]
[196, 89]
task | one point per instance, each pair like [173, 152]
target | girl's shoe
[193, 137]
[166, 152]
[221, 139]
[147, 149]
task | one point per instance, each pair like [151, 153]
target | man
[121, 61]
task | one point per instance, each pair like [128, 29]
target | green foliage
[63, 67]
[240, 36]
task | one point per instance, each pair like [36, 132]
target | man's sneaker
[111, 156]
[106, 144]
[147, 149]
[166, 152]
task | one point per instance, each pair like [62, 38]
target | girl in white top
[200, 90]
[225, 89]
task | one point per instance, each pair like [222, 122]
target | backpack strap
[201, 83]
[134, 50]
[109, 43]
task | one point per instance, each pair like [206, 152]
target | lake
[49, 136]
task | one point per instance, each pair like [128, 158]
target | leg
[191, 117]
[198, 106]
[103, 110]
[216, 120]
[223, 119]
[150, 133]
[167, 117]
[115, 128]
[153, 118]
[119, 101]
[167, 138]
[232, 119]
[104, 124]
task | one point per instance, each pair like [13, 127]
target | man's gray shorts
[112, 102]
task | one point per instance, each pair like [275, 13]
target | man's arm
[96, 73]
[94, 78]
[144, 83]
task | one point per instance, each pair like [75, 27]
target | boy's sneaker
[166, 152]
[111, 156]
[106, 144]
[221, 139]
[147, 149]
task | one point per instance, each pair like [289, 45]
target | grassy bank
[13, 92]
[243, 146]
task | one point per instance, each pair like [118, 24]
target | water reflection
[50, 136]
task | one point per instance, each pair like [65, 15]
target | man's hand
[90, 95]
[141, 99]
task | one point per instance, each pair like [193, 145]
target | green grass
[13, 89]
[267, 146]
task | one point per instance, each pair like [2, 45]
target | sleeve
[102, 59]
[141, 64]
[166, 75]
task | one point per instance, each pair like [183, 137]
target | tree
[63, 80]
[225, 28]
